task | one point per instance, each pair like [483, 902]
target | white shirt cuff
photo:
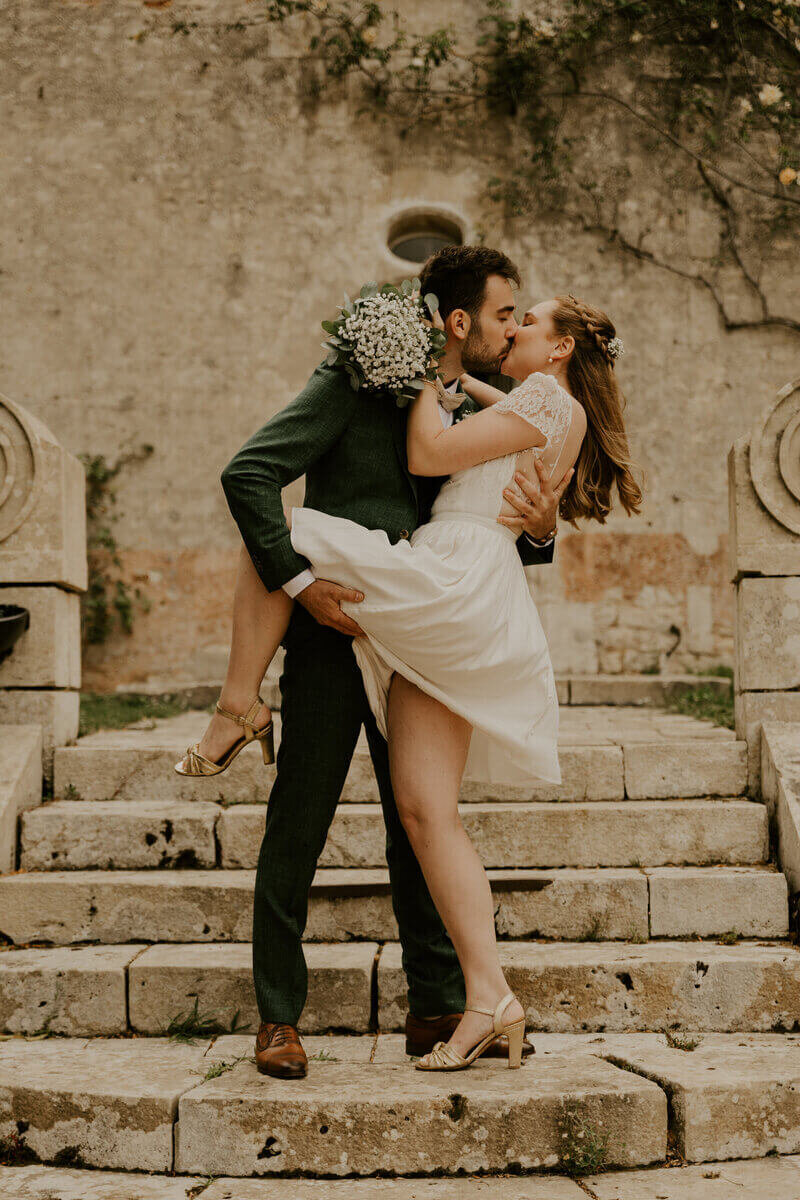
[294, 586]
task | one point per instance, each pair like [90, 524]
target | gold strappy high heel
[444, 1058]
[196, 764]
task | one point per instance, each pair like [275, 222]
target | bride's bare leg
[428, 748]
[260, 619]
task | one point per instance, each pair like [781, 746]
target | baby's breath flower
[745, 105]
[788, 175]
[770, 94]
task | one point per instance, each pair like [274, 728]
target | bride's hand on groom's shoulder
[323, 600]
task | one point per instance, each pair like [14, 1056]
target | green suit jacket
[351, 446]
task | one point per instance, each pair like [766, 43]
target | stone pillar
[764, 489]
[43, 568]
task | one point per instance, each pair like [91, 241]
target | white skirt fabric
[450, 610]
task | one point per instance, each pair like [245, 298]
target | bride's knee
[420, 817]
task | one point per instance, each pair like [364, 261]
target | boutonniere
[386, 341]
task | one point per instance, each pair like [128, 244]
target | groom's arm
[280, 452]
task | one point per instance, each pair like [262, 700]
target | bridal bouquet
[385, 339]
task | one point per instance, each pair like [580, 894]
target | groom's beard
[477, 355]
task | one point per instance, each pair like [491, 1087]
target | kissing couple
[398, 591]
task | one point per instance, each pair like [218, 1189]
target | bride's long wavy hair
[604, 459]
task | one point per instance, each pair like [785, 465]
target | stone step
[605, 754]
[607, 903]
[60, 1183]
[611, 986]
[113, 1103]
[743, 1103]
[566, 987]
[137, 834]
[752, 1179]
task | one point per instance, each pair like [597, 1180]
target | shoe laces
[281, 1035]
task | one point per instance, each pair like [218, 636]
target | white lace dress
[451, 608]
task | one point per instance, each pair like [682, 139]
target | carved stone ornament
[19, 466]
[775, 457]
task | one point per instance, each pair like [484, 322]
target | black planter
[14, 620]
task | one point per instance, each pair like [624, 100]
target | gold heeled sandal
[444, 1058]
[196, 764]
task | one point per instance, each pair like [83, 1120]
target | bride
[454, 658]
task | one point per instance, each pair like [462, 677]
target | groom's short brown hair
[457, 276]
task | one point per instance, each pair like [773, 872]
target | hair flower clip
[615, 348]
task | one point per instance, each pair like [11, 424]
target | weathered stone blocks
[768, 634]
[607, 986]
[48, 655]
[166, 979]
[20, 784]
[351, 1120]
[74, 990]
[42, 507]
[686, 901]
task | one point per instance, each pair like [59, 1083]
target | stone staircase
[640, 896]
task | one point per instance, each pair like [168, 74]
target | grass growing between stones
[584, 1148]
[101, 710]
[680, 1041]
[186, 1026]
[706, 703]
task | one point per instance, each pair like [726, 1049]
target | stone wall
[178, 216]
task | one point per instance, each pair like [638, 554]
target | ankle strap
[498, 1012]
[249, 716]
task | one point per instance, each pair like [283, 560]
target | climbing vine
[706, 90]
[109, 601]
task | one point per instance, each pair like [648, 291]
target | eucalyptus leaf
[432, 302]
[330, 326]
[369, 289]
[416, 283]
[332, 359]
[405, 287]
[416, 384]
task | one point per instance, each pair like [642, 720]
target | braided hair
[604, 459]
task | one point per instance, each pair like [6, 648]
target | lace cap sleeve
[542, 402]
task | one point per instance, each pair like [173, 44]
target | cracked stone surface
[767, 1179]
[736, 1102]
[345, 1120]
[74, 990]
[614, 986]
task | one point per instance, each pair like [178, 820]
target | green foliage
[681, 1041]
[186, 1026]
[115, 710]
[705, 703]
[109, 599]
[584, 1148]
[712, 84]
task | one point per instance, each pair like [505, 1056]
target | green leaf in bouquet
[369, 289]
[330, 326]
[402, 401]
[332, 359]
[416, 384]
[416, 283]
[406, 287]
[389, 289]
[432, 301]
[348, 304]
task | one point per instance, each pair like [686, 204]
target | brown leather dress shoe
[279, 1051]
[422, 1034]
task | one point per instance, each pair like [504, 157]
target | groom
[351, 447]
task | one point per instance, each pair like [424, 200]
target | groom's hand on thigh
[323, 600]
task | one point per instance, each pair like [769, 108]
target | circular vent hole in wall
[415, 236]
